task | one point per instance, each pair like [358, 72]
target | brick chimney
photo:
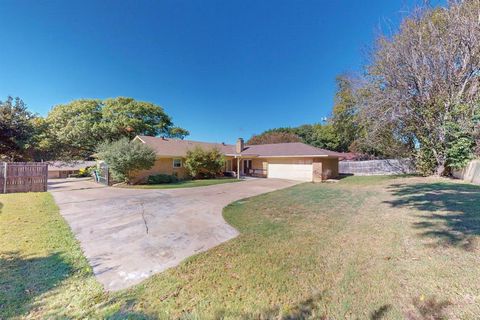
[239, 146]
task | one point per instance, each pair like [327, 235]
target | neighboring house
[63, 169]
[295, 161]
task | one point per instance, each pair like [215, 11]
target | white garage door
[292, 171]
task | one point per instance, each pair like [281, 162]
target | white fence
[377, 167]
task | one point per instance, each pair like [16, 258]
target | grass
[362, 248]
[184, 184]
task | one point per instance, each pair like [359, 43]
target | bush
[204, 164]
[124, 157]
[162, 178]
[86, 172]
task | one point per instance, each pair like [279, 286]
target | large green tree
[317, 135]
[16, 130]
[274, 137]
[344, 114]
[77, 128]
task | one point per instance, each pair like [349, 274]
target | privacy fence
[377, 167]
[23, 177]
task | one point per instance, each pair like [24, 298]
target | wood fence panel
[23, 177]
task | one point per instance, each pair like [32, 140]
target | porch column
[238, 168]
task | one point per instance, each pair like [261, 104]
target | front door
[247, 165]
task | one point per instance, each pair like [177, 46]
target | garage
[290, 169]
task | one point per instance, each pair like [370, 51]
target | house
[63, 169]
[295, 161]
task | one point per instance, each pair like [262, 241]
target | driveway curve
[129, 234]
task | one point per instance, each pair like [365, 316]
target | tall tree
[16, 130]
[128, 117]
[426, 78]
[274, 137]
[77, 128]
[344, 114]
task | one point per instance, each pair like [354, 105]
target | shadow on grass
[451, 211]
[429, 308]
[381, 312]
[302, 310]
[23, 279]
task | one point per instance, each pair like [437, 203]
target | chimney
[240, 146]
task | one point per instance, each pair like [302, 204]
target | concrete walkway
[129, 234]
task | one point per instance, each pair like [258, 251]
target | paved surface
[129, 234]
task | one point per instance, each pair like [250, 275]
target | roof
[290, 149]
[178, 148]
[69, 165]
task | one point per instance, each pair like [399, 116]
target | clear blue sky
[222, 69]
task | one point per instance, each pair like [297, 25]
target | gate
[23, 177]
[101, 174]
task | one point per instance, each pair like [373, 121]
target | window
[177, 163]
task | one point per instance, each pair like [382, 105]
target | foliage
[178, 133]
[344, 114]
[162, 178]
[317, 135]
[203, 163]
[75, 129]
[124, 157]
[274, 137]
[425, 78]
[16, 130]
[127, 117]
[86, 172]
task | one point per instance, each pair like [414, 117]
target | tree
[426, 77]
[77, 128]
[178, 133]
[127, 117]
[124, 157]
[344, 114]
[317, 135]
[201, 163]
[16, 130]
[274, 137]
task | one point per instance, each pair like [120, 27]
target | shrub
[85, 172]
[124, 157]
[204, 164]
[162, 178]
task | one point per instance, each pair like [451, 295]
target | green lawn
[183, 184]
[363, 248]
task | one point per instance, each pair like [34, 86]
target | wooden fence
[377, 167]
[23, 177]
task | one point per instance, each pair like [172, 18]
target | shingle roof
[286, 149]
[178, 148]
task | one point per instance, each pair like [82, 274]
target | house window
[228, 165]
[177, 163]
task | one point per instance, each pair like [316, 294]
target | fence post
[5, 177]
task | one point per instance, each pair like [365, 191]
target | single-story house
[63, 169]
[295, 161]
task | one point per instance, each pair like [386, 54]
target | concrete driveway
[129, 234]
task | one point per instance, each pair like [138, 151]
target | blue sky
[221, 69]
